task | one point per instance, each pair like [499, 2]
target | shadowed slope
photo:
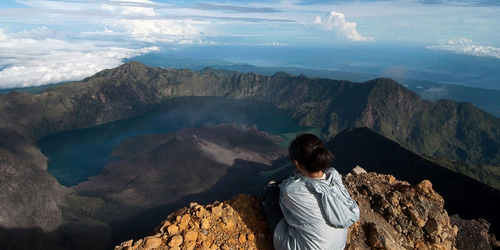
[463, 195]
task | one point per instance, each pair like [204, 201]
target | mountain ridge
[389, 108]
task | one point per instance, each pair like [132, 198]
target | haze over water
[76, 155]
[364, 62]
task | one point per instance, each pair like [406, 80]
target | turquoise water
[76, 155]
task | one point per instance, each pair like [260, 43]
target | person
[312, 209]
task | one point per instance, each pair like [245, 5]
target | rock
[172, 230]
[175, 241]
[190, 236]
[394, 216]
[242, 238]
[358, 170]
[432, 227]
[473, 234]
[217, 211]
[185, 220]
[126, 244]
[190, 245]
[232, 224]
[374, 237]
[415, 218]
[162, 226]
[250, 237]
[151, 243]
[205, 223]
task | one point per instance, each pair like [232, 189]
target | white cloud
[131, 8]
[467, 47]
[336, 21]
[156, 30]
[133, 1]
[106, 31]
[433, 93]
[35, 62]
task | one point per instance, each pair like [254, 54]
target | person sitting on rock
[311, 210]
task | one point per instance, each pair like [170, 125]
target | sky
[51, 41]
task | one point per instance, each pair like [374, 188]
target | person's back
[317, 208]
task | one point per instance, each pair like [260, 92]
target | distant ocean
[369, 61]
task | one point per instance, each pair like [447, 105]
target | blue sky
[49, 41]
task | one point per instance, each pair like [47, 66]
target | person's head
[307, 152]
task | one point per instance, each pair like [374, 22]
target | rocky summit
[394, 215]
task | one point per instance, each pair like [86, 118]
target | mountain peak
[133, 68]
[394, 213]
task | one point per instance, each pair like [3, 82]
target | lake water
[75, 155]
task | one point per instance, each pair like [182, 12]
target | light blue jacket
[317, 213]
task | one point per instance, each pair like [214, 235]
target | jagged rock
[234, 224]
[394, 216]
[473, 234]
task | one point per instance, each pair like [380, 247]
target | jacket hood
[338, 208]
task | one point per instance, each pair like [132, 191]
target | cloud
[469, 3]
[434, 94]
[467, 47]
[234, 8]
[336, 21]
[131, 7]
[106, 31]
[133, 1]
[156, 30]
[33, 62]
[395, 71]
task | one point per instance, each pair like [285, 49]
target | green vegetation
[489, 175]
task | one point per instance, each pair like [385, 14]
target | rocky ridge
[394, 215]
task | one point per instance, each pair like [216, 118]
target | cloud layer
[467, 47]
[31, 62]
[48, 41]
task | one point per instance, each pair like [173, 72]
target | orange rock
[217, 211]
[205, 224]
[229, 222]
[185, 220]
[242, 238]
[189, 245]
[201, 236]
[190, 236]
[151, 243]
[173, 230]
[175, 241]
[250, 237]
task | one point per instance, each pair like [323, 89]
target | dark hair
[309, 152]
